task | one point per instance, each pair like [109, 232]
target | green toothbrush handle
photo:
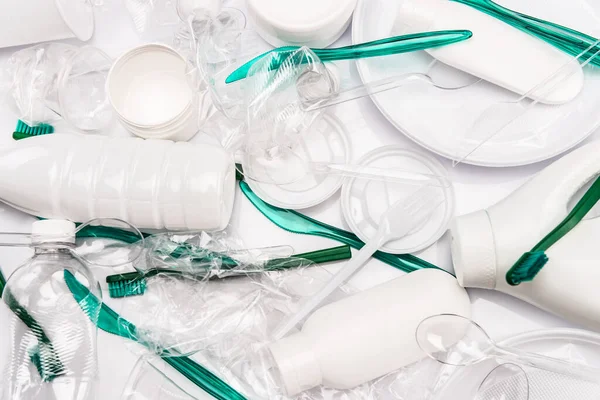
[570, 41]
[382, 47]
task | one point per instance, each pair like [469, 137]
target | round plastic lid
[314, 23]
[79, 17]
[365, 201]
[326, 141]
[53, 231]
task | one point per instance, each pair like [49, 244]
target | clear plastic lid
[364, 202]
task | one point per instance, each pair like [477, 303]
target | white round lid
[326, 141]
[53, 231]
[79, 17]
[365, 201]
[314, 23]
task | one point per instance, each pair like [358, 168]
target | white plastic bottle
[153, 184]
[497, 52]
[487, 243]
[367, 335]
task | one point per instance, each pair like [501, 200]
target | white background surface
[475, 187]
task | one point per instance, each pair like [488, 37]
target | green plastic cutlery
[382, 47]
[111, 322]
[295, 222]
[572, 42]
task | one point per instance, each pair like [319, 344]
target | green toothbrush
[135, 283]
[531, 263]
[111, 322]
[382, 47]
[295, 222]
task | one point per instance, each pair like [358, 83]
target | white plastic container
[312, 23]
[487, 243]
[32, 21]
[152, 184]
[367, 335]
[152, 95]
[497, 52]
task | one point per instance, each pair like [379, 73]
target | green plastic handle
[295, 222]
[572, 42]
[2, 283]
[382, 47]
[111, 322]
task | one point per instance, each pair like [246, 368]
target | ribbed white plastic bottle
[487, 243]
[367, 335]
[153, 184]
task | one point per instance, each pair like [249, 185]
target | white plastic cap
[298, 367]
[474, 251]
[53, 231]
[313, 23]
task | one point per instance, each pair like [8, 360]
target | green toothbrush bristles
[526, 268]
[127, 288]
[24, 131]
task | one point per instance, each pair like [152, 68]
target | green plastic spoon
[382, 47]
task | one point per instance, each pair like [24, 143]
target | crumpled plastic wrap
[31, 80]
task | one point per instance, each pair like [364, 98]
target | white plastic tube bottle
[486, 243]
[152, 184]
[367, 335]
[497, 52]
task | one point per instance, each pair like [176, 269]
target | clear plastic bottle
[53, 347]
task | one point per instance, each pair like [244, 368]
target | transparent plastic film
[278, 118]
[203, 255]
[522, 116]
[222, 47]
[182, 314]
[56, 81]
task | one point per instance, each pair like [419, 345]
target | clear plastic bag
[56, 81]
